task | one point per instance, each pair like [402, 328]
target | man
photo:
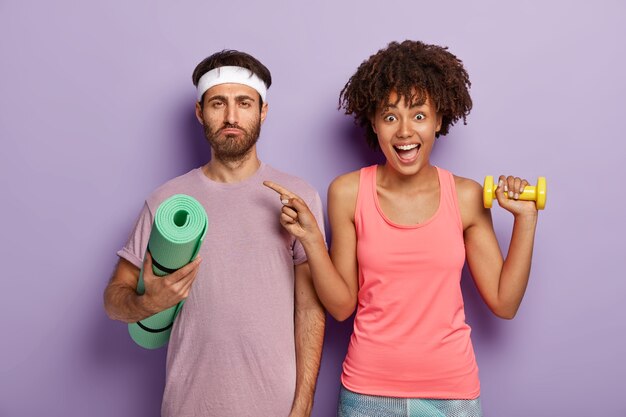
[248, 340]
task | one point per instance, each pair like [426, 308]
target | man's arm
[309, 321]
[121, 301]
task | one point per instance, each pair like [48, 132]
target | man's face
[231, 119]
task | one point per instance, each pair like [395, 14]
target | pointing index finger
[279, 189]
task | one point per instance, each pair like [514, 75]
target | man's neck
[232, 171]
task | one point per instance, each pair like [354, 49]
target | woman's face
[406, 133]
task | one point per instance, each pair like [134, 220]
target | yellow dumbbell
[537, 194]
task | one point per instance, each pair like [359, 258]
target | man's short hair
[230, 57]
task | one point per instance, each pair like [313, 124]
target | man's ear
[199, 113]
[264, 109]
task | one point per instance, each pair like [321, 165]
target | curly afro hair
[415, 71]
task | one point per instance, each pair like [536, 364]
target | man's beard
[232, 148]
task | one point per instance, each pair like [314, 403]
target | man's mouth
[408, 152]
[231, 131]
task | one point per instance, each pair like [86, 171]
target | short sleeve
[135, 248]
[315, 205]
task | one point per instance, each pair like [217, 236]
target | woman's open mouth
[407, 153]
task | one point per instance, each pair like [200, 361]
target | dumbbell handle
[531, 193]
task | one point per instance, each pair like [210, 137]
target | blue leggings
[352, 404]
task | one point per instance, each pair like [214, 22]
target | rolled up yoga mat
[180, 224]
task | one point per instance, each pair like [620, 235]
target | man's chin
[232, 158]
[232, 155]
[231, 136]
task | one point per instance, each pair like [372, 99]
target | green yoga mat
[180, 224]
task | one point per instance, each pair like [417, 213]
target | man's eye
[420, 116]
[245, 104]
[217, 104]
[389, 118]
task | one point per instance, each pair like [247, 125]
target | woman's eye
[419, 116]
[389, 118]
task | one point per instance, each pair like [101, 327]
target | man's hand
[164, 292]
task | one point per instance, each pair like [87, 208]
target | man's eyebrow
[237, 98]
[244, 97]
[217, 97]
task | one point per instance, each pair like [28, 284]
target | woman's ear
[373, 125]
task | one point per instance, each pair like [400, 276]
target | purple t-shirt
[232, 350]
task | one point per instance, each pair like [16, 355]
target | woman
[401, 233]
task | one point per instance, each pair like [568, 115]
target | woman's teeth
[407, 153]
[406, 147]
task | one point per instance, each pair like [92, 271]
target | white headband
[236, 75]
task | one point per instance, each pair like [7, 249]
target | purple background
[96, 110]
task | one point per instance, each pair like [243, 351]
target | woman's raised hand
[295, 215]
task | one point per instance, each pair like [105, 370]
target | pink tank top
[410, 338]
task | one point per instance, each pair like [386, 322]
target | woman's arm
[335, 280]
[501, 282]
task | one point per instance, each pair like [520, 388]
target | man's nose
[231, 116]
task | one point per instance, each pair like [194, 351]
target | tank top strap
[365, 203]
[449, 199]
